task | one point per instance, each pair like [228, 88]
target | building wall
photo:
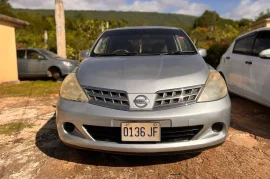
[8, 56]
[261, 24]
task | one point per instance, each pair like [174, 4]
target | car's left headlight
[68, 64]
[71, 89]
[215, 88]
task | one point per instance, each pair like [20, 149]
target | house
[260, 24]
[8, 56]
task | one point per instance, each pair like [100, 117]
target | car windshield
[143, 42]
[50, 54]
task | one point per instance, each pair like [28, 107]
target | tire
[55, 74]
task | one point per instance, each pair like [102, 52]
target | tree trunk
[60, 28]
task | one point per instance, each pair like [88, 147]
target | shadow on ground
[47, 140]
[251, 117]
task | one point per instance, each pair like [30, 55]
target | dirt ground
[37, 152]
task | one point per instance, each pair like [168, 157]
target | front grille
[168, 134]
[108, 98]
[176, 97]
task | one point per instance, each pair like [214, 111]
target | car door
[237, 68]
[33, 62]
[259, 74]
[22, 62]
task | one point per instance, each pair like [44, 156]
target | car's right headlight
[215, 88]
[71, 89]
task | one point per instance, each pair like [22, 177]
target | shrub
[215, 52]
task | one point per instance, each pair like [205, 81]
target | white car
[246, 66]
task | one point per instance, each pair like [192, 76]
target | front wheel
[54, 73]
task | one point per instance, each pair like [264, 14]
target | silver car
[34, 62]
[144, 90]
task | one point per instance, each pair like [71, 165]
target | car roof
[257, 30]
[143, 27]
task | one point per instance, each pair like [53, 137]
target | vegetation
[14, 127]
[132, 18]
[216, 34]
[83, 27]
[30, 89]
[5, 8]
[263, 15]
[209, 31]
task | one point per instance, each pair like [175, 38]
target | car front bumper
[205, 114]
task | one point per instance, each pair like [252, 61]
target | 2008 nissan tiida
[144, 90]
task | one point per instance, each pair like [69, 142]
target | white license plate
[143, 132]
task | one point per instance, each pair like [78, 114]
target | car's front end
[144, 104]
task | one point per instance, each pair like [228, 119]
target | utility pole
[60, 28]
[214, 22]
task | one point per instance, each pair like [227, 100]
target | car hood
[143, 74]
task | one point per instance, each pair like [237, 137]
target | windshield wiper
[178, 52]
[118, 54]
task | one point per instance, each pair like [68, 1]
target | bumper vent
[168, 134]
[176, 97]
[108, 98]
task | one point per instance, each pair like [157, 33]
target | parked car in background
[83, 55]
[246, 66]
[144, 90]
[34, 62]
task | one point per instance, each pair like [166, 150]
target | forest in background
[209, 31]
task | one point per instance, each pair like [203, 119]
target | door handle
[228, 58]
[248, 62]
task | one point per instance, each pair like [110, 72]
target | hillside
[133, 18]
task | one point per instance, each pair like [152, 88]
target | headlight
[71, 89]
[215, 88]
[68, 64]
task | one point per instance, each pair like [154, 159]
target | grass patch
[13, 127]
[30, 89]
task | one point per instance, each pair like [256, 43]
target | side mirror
[202, 52]
[40, 57]
[265, 54]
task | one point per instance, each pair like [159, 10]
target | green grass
[14, 127]
[30, 89]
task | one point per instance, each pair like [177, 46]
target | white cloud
[248, 9]
[175, 6]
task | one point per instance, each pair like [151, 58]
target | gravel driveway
[35, 151]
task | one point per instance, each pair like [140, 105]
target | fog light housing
[217, 127]
[69, 127]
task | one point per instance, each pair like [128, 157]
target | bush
[215, 52]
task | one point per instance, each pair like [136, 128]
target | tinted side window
[20, 54]
[244, 45]
[32, 54]
[262, 42]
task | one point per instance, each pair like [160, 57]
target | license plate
[143, 132]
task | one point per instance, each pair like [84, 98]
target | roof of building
[15, 22]
[261, 21]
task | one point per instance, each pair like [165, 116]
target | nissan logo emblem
[141, 101]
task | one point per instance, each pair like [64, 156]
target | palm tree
[60, 28]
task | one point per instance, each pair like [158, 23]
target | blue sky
[234, 9]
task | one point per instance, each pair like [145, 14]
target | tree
[245, 22]
[60, 28]
[6, 8]
[263, 15]
[206, 19]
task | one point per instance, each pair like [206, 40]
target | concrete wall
[8, 56]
